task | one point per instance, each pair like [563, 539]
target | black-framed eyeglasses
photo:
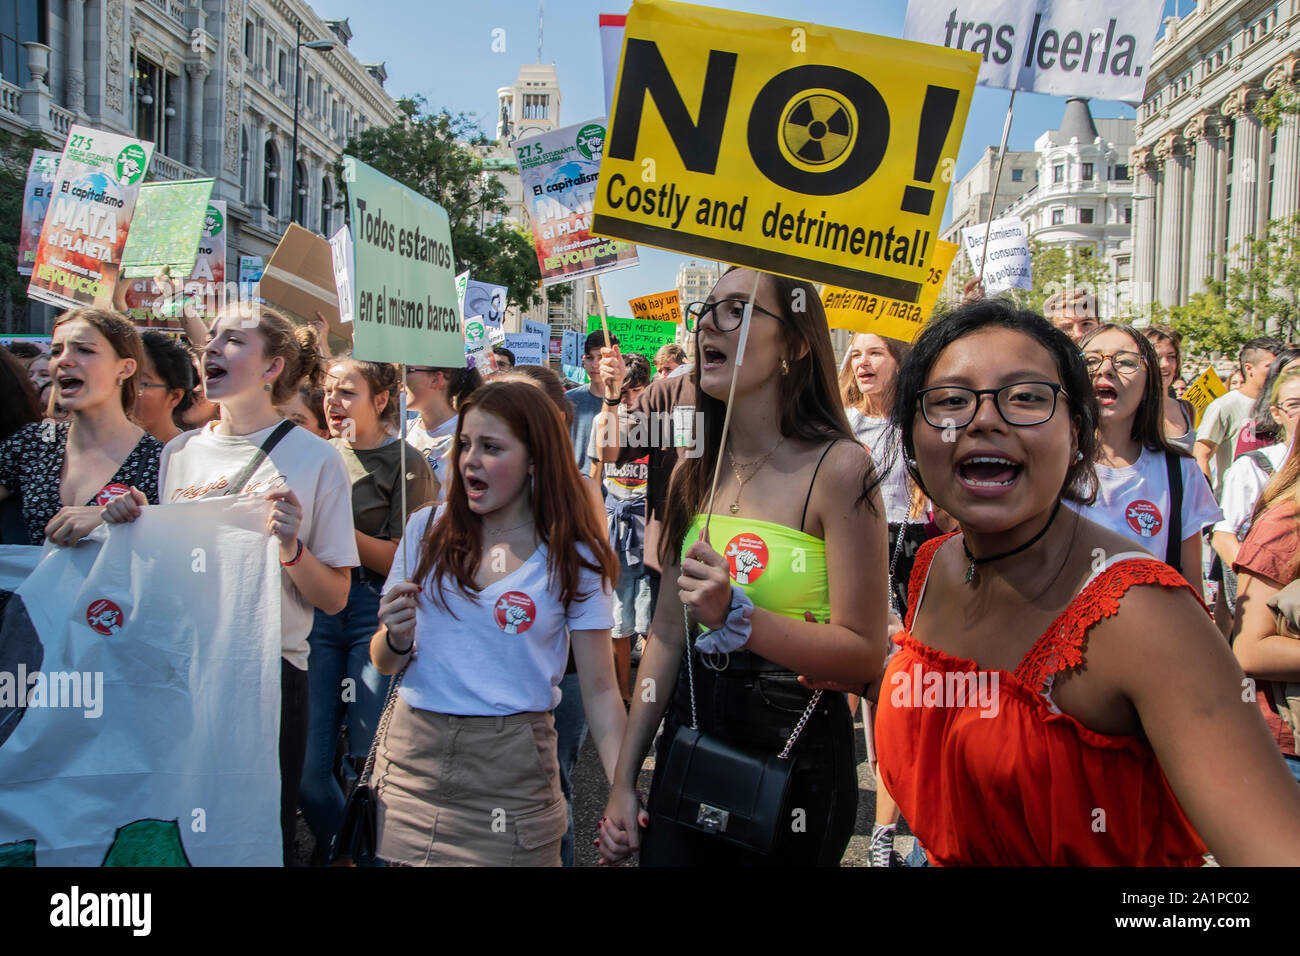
[1021, 404]
[1123, 361]
[727, 314]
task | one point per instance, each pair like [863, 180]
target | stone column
[198, 73]
[1144, 231]
[1245, 174]
[1200, 245]
[1286, 169]
[1169, 267]
[75, 80]
[256, 166]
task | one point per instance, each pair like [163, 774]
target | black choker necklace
[970, 571]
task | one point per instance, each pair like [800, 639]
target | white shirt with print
[1135, 501]
[435, 445]
[1242, 486]
[503, 652]
[202, 463]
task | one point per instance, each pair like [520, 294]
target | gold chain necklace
[756, 465]
[508, 530]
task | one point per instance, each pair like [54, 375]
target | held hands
[620, 828]
[704, 585]
[284, 520]
[972, 292]
[397, 613]
[125, 508]
[71, 524]
[611, 371]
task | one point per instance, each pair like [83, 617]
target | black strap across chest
[808, 497]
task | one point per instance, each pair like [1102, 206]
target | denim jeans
[1293, 764]
[570, 732]
[340, 650]
[631, 599]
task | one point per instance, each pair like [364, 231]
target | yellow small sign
[1207, 387]
[780, 145]
[660, 307]
[892, 318]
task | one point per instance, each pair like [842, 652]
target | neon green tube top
[781, 569]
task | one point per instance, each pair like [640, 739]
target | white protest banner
[571, 348]
[344, 270]
[36, 200]
[406, 308]
[1099, 49]
[1008, 251]
[140, 693]
[85, 229]
[611, 48]
[528, 349]
[540, 329]
[486, 300]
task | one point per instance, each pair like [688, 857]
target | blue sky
[443, 51]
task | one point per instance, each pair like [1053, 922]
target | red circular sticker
[104, 617]
[515, 612]
[1144, 518]
[747, 555]
[110, 491]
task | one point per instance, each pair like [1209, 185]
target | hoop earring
[267, 386]
[785, 367]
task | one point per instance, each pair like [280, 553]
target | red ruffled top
[1021, 783]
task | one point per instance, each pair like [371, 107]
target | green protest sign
[637, 335]
[405, 306]
[166, 229]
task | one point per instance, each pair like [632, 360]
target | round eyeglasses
[1123, 361]
[727, 314]
[1020, 404]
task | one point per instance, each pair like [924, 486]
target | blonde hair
[1081, 304]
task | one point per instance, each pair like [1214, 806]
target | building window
[1017, 175]
[1128, 215]
[311, 92]
[1121, 173]
[243, 165]
[535, 106]
[1085, 216]
[250, 40]
[1087, 173]
[1058, 173]
[21, 22]
[326, 205]
[1272, 168]
[281, 69]
[266, 60]
[334, 115]
[271, 178]
[1058, 217]
[154, 95]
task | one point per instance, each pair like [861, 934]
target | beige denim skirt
[469, 791]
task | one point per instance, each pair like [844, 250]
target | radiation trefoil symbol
[817, 129]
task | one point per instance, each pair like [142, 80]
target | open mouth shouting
[475, 488]
[1106, 394]
[988, 473]
[713, 357]
[70, 385]
[213, 374]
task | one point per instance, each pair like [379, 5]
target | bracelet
[388, 639]
[612, 402]
[296, 558]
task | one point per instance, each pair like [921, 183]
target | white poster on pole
[1099, 49]
[540, 329]
[344, 270]
[528, 349]
[570, 348]
[1008, 252]
[140, 693]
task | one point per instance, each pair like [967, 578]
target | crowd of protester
[509, 553]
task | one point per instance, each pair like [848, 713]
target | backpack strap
[1174, 547]
[1261, 460]
[247, 472]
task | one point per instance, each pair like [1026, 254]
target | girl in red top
[1057, 698]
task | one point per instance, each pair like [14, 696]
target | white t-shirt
[201, 464]
[503, 652]
[886, 448]
[1222, 420]
[435, 446]
[1134, 502]
[1242, 486]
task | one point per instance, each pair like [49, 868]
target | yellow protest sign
[1207, 387]
[892, 318]
[813, 152]
[660, 307]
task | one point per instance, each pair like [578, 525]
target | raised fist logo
[104, 617]
[1144, 518]
[747, 555]
[514, 612]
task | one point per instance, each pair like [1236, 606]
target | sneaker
[881, 851]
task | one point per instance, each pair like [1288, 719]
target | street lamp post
[321, 45]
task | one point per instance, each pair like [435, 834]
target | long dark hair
[171, 361]
[452, 546]
[1149, 419]
[809, 404]
[1080, 480]
[19, 403]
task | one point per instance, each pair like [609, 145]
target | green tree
[1260, 292]
[428, 153]
[1057, 268]
[1206, 323]
[15, 157]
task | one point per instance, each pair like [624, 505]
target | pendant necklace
[755, 465]
[974, 561]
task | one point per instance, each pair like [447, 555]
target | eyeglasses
[1020, 404]
[151, 385]
[727, 314]
[1291, 406]
[1123, 361]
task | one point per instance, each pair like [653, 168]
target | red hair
[563, 518]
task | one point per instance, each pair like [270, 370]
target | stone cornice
[1284, 72]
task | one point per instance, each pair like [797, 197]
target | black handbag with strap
[358, 836]
[713, 786]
